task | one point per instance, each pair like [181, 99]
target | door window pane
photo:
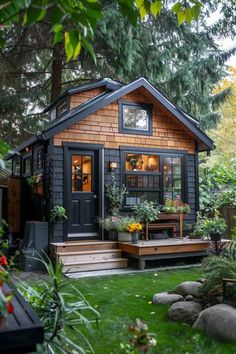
[81, 173]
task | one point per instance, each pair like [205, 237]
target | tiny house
[104, 130]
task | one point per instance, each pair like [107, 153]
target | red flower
[3, 261]
[10, 307]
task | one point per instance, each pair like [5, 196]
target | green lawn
[122, 299]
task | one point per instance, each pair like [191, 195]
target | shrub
[216, 268]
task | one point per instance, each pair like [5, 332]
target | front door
[83, 193]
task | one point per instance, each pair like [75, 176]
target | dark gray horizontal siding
[56, 177]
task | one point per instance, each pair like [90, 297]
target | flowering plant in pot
[36, 183]
[134, 229]
[122, 228]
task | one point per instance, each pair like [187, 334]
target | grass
[122, 299]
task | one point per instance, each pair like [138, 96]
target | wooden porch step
[70, 257]
[95, 265]
[79, 246]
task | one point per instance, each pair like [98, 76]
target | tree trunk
[57, 58]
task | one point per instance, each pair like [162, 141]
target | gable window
[152, 177]
[135, 118]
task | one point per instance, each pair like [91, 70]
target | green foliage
[75, 21]
[109, 223]
[217, 186]
[115, 196]
[58, 213]
[213, 226]
[5, 247]
[216, 268]
[62, 308]
[146, 211]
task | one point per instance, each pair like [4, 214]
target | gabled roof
[108, 83]
[93, 105]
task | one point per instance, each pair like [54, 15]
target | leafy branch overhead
[74, 22]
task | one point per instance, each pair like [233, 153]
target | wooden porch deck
[164, 249]
[97, 254]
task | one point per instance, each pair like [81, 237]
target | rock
[188, 288]
[184, 311]
[166, 298]
[219, 322]
[189, 298]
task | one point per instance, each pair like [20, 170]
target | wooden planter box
[23, 330]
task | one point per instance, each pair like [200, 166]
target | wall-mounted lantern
[112, 166]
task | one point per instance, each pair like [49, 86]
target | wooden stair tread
[79, 243]
[95, 261]
[74, 253]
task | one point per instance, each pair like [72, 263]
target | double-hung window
[142, 178]
[153, 177]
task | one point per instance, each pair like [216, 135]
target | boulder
[219, 322]
[189, 298]
[166, 298]
[184, 311]
[188, 288]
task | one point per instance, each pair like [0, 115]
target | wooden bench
[162, 226]
[23, 329]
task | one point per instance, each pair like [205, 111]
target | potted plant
[115, 196]
[58, 213]
[134, 229]
[175, 206]
[35, 183]
[122, 227]
[146, 212]
[214, 228]
[109, 224]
